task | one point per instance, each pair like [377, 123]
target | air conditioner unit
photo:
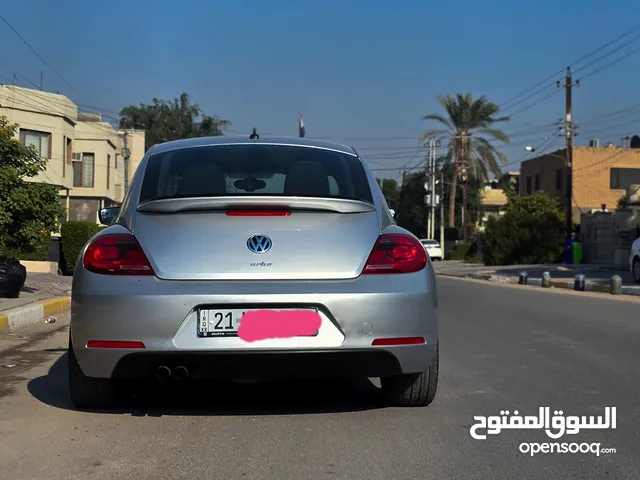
[595, 142]
[76, 157]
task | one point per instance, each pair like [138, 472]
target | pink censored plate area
[273, 324]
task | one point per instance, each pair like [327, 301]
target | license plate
[223, 323]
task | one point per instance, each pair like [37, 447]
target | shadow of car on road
[292, 397]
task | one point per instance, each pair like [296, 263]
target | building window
[108, 170]
[83, 171]
[622, 178]
[528, 185]
[69, 151]
[559, 179]
[537, 182]
[40, 140]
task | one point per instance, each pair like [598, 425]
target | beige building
[84, 154]
[493, 198]
[601, 176]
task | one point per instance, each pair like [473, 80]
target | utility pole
[429, 186]
[568, 130]
[442, 212]
[432, 233]
[463, 176]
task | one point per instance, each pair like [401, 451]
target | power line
[604, 67]
[581, 59]
[533, 104]
[593, 62]
[38, 55]
[60, 104]
[555, 74]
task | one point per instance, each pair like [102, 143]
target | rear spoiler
[178, 205]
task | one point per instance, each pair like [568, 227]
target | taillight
[116, 254]
[395, 253]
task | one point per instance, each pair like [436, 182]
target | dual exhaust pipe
[179, 373]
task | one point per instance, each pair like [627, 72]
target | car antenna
[254, 135]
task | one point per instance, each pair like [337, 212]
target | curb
[565, 284]
[32, 313]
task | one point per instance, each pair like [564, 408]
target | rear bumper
[162, 315]
[263, 365]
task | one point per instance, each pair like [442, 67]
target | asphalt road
[502, 347]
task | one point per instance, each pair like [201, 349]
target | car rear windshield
[263, 170]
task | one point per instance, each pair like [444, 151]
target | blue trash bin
[568, 251]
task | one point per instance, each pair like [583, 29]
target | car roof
[245, 140]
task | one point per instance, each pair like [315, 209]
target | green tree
[390, 191]
[469, 129]
[171, 120]
[29, 211]
[530, 231]
[412, 212]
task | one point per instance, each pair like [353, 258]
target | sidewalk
[42, 296]
[597, 275]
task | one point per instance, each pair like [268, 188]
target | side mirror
[392, 212]
[108, 215]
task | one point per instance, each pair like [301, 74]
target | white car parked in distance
[433, 248]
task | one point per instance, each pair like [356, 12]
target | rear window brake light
[258, 213]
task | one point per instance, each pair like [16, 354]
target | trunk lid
[196, 239]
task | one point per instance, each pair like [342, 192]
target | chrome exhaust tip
[181, 372]
[163, 373]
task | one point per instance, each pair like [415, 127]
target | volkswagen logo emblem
[259, 243]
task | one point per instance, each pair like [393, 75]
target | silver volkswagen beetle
[252, 259]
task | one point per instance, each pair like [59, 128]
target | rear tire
[87, 392]
[636, 270]
[413, 389]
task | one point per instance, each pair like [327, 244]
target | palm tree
[469, 132]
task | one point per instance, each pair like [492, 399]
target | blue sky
[362, 72]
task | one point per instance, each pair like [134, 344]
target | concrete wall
[598, 236]
[608, 236]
